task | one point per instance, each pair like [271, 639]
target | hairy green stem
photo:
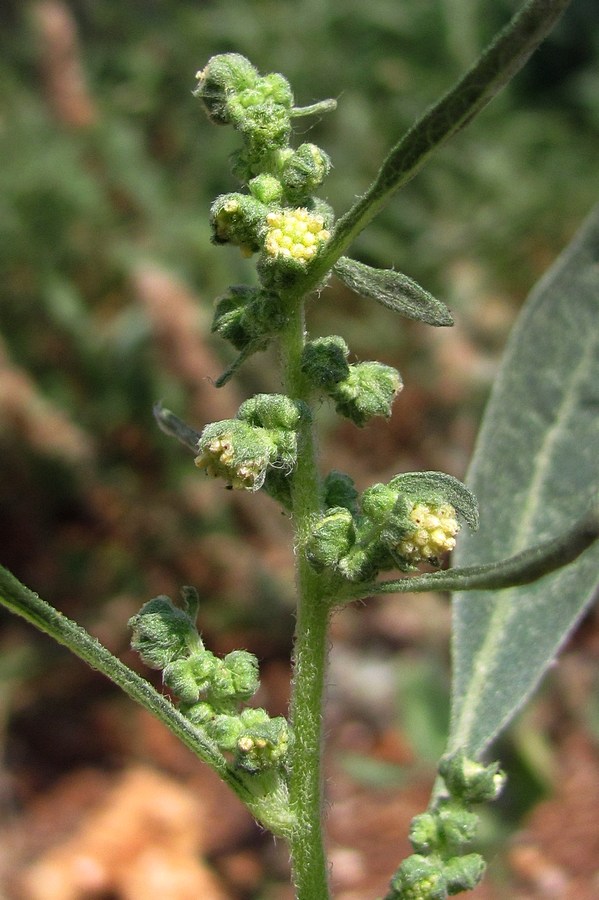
[268, 809]
[503, 58]
[311, 640]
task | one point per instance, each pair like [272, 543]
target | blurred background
[108, 277]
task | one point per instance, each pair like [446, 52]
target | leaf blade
[393, 290]
[536, 462]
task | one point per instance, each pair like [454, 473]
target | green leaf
[393, 290]
[535, 469]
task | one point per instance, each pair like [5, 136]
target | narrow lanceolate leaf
[393, 290]
[535, 469]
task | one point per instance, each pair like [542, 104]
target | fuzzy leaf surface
[393, 290]
[534, 470]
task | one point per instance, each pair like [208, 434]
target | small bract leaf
[393, 290]
[439, 487]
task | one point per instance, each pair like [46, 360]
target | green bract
[162, 632]
[324, 362]
[237, 452]
[304, 171]
[369, 390]
[238, 219]
[469, 780]
[220, 80]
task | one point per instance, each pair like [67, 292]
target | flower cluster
[440, 867]
[281, 181]
[294, 234]
[263, 437]
[360, 390]
[434, 532]
[209, 689]
[277, 215]
[410, 520]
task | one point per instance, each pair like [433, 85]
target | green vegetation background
[107, 171]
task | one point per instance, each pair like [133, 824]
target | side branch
[25, 603]
[523, 568]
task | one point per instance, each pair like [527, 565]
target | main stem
[305, 782]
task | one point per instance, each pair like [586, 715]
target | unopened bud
[324, 361]
[162, 633]
[419, 878]
[223, 76]
[238, 219]
[331, 538]
[469, 781]
[305, 171]
[369, 390]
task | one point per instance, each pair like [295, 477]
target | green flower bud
[179, 677]
[199, 714]
[254, 717]
[231, 320]
[387, 516]
[267, 314]
[469, 781]
[243, 667]
[275, 87]
[463, 873]
[222, 686]
[360, 564]
[331, 538]
[190, 677]
[305, 171]
[280, 417]
[248, 316]
[223, 76]
[238, 219]
[457, 825]
[419, 878]
[237, 452]
[226, 731]
[324, 361]
[265, 126]
[271, 411]
[379, 502]
[266, 188]
[424, 833]
[263, 742]
[369, 390]
[270, 91]
[340, 490]
[162, 633]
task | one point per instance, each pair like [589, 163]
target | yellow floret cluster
[295, 234]
[434, 534]
[218, 459]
